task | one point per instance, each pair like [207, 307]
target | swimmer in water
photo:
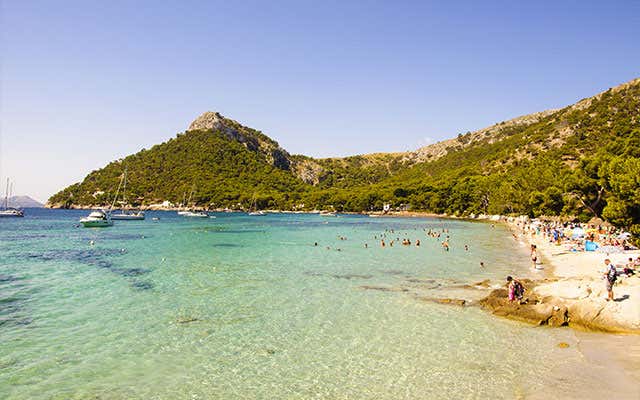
[382, 244]
[417, 242]
[481, 264]
[466, 247]
[445, 245]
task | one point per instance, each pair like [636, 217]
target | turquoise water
[248, 307]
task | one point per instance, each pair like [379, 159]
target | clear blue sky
[84, 83]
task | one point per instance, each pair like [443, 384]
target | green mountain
[582, 160]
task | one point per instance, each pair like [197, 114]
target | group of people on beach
[580, 237]
[585, 237]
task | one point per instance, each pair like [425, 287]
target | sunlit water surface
[247, 307]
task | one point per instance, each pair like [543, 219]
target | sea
[282, 306]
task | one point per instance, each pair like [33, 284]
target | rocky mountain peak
[208, 120]
[250, 138]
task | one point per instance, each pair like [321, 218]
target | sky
[83, 83]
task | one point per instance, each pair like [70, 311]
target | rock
[559, 317]
[484, 283]
[384, 288]
[454, 302]
[531, 310]
[186, 320]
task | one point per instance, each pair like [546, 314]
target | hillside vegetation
[582, 161]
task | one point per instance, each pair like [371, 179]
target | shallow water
[248, 307]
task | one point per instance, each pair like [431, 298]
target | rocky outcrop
[530, 309]
[309, 171]
[573, 304]
[251, 139]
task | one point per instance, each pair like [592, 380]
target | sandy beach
[573, 281]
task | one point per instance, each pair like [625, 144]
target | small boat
[128, 215]
[257, 213]
[11, 212]
[97, 219]
[7, 211]
[328, 214]
[195, 214]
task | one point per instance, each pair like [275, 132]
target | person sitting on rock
[629, 268]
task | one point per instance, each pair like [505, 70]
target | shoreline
[570, 291]
[575, 285]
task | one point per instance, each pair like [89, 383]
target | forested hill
[581, 160]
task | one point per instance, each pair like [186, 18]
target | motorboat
[257, 213]
[97, 219]
[328, 214]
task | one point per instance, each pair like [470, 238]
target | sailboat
[255, 212]
[192, 213]
[7, 211]
[126, 215]
[184, 211]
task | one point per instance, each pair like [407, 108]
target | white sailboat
[192, 213]
[254, 209]
[7, 211]
[126, 215]
[184, 211]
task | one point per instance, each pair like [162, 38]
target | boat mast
[117, 192]
[124, 189]
[6, 196]
[191, 194]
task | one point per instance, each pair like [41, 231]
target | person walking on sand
[610, 276]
